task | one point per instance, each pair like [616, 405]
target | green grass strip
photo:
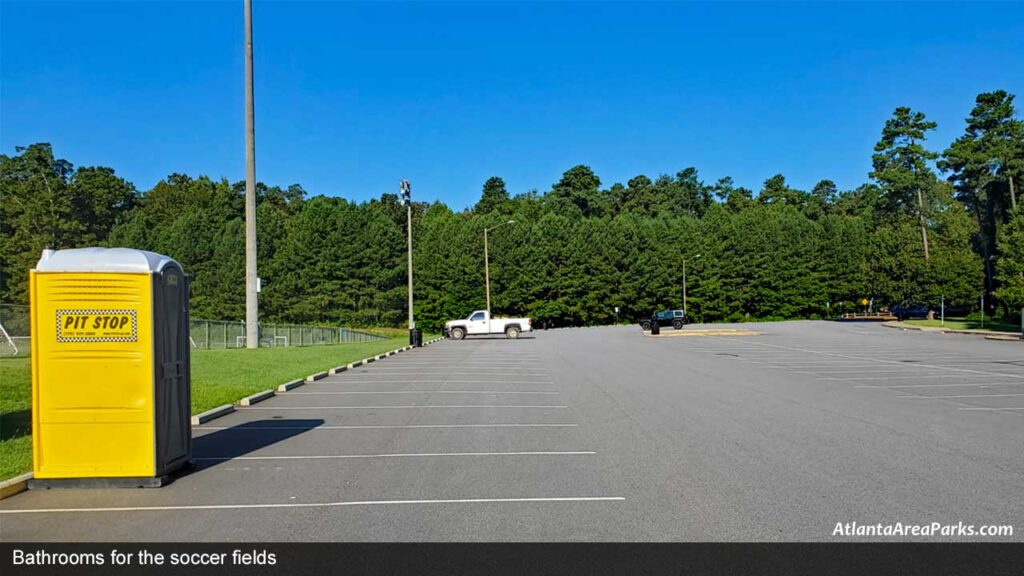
[218, 377]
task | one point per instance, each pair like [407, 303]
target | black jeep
[675, 318]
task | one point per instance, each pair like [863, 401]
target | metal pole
[487, 275]
[252, 330]
[412, 321]
[942, 320]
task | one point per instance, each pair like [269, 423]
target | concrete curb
[290, 385]
[988, 334]
[212, 413]
[257, 397]
[698, 333]
[336, 370]
[317, 376]
[1005, 338]
[15, 485]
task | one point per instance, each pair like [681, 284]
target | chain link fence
[15, 332]
[213, 334]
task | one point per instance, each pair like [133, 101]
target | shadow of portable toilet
[110, 368]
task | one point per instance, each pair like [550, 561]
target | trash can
[110, 368]
[655, 329]
[416, 338]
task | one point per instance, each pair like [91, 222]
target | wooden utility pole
[924, 227]
[487, 276]
[487, 265]
[1013, 193]
[252, 322]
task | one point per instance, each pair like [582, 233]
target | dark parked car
[904, 311]
[674, 318]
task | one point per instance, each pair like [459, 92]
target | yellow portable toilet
[110, 368]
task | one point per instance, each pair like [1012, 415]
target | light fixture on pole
[685, 313]
[487, 270]
[406, 196]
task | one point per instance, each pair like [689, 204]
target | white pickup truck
[480, 322]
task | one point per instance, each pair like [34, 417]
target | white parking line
[311, 505]
[929, 376]
[877, 360]
[447, 368]
[393, 406]
[409, 455]
[868, 371]
[358, 379]
[243, 428]
[990, 409]
[456, 363]
[965, 396]
[373, 392]
[959, 385]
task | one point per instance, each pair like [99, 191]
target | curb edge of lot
[291, 385]
[19, 484]
[988, 334]
[15, 485]
[257, 397]
[212, 413]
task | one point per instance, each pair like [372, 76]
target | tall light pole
[252, 313]
[685, 313]
[406, 190]
[487, 269]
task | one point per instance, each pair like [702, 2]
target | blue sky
[351, 97]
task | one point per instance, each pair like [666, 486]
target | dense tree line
[928, 226]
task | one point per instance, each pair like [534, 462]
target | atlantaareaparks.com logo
[932, 529]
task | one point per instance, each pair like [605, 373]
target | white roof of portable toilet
[102, 260]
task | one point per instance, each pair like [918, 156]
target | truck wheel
[645, 325]
[677, 323]
[512, 332]
[458, 333]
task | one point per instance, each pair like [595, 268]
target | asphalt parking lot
[597, 434]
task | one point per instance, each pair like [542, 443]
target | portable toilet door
[172, 355]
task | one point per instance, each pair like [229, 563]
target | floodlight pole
[252, 326]
[406, 189]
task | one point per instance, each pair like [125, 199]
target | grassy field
[224, 376]
[15, 416]
[961, 324]
[218, 377]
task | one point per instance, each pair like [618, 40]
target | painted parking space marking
[964, 396]
[405, 455]
[958, 385]
[376, 392]
[928, 377]
[405, 406]
[379, 427]
[192, 507]
[329, 382]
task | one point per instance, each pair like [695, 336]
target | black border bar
[353, 559]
